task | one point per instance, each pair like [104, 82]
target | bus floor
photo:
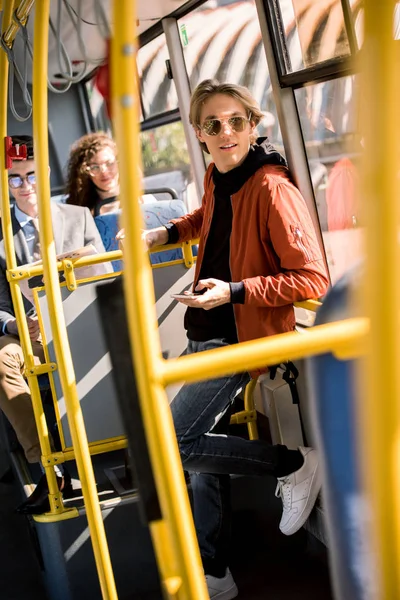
[265, 563]
[20, 573]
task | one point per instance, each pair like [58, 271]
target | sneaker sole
[307, 509]
[227, 594]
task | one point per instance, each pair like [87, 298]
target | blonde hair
[210, 87]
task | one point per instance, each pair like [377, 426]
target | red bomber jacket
[273, 249]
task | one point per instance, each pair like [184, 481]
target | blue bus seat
[159, 213]
[334, 405]
[154, 214]
[108, 226]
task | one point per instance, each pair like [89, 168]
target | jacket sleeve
[189, 226]
[6, 307]
[302, 273]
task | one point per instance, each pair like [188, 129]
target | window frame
[329, 69]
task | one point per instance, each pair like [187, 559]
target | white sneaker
[298, 492]
[222, 588]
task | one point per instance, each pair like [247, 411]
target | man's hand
[150, 237]
[218, 293]
[155, 237]
[33, 328]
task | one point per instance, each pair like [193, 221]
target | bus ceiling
[78, 33]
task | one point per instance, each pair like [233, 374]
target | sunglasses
[16, 181]
[214, 126]
[95, 169]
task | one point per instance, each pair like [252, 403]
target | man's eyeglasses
[95, 169]
[16, 181]
[214, 126]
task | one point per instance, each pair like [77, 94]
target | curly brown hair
[80, 187]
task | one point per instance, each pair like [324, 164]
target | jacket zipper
[230, 268]
[298, 234]
[205, 243]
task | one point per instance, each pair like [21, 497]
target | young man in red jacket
[258, 254]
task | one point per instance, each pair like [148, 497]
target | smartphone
[184, 296]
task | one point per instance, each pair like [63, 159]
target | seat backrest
[170, 179]
[160, 213]
[334, 403]
[108, 226]
[154, 215]
[89, 350]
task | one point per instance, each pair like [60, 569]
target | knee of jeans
[185, 449]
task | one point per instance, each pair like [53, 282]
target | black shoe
[38, 501]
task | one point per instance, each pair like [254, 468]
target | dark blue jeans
[201, 414]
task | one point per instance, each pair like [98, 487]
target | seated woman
[93, 177]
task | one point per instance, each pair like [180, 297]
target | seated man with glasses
[73, 227]
[258, 254]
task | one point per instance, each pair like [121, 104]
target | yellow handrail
[15, 291]
[345, 338]
[379, 379]
[174, 536]
[61, 346]
[312, 305]
[22, 13]
[29, 270]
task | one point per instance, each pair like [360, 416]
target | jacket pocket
[300, 240]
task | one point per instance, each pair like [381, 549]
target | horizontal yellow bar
[309, 305]
[26, 271]
[94, 448]
[55, 458]
[349, 334]
[244, 416]
[97, 448]
[169, 263]
[40, 369]
[172, 246]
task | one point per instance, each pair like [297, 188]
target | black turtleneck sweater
[100, 203]
[219, 322]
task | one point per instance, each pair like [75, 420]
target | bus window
[166, 162]
[224, 43]
[329, 123]
[157, 89]
[358, 19]
[97, 107]
[312, 32]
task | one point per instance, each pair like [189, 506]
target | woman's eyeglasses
[16, 181]
[95, 169]
[214, 126]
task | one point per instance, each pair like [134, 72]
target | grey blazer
[73, 227]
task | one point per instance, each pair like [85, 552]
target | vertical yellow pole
[379, 400]
[179, 564]
[5, 206]
[11, 261]
[62, 350]
[249, 405]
